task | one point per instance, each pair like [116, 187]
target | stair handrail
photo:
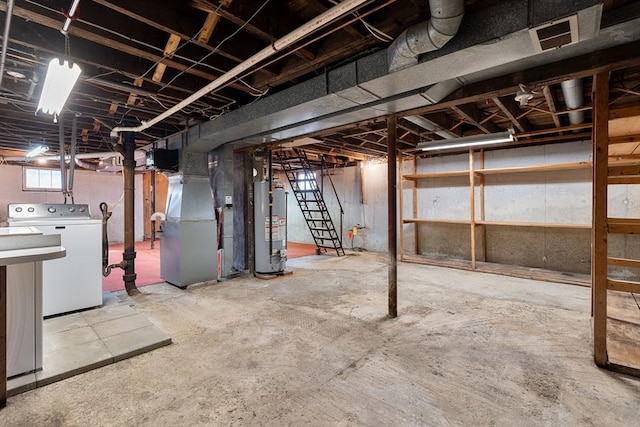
[338, 199]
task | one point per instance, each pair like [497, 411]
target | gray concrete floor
[315, 348]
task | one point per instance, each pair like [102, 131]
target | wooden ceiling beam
[473, 115]
[509, 107]
[208, 6]
[164, 19]
[610, 59]
[137, 53]
[552, 102]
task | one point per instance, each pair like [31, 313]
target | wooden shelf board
[537, 168]
[623, 262]
[623, 286]
[504, 270]
[413, 176]
[534, 224]
[435, 221]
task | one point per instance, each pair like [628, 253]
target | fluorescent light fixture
[61, 77]
[467, 141]
[37, 151]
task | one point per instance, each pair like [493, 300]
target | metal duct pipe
[63, 166]
[5, 39]
[344, 7]
[88, 165]
[573, 98]
[97, 155]
[427, 36]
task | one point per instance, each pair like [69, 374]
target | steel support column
[392, 225]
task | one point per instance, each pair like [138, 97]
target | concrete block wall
[362, 192]
[89, 187]
[531, 197]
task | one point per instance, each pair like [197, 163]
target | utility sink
[21, 238]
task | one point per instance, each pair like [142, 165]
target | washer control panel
[47, 210]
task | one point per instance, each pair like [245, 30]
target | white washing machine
[75, 281]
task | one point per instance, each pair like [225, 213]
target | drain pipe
[343, 8]
[128, 170]
[573, 98]
[5, 38]
[63, 166]
[427, 36]
[72, 154]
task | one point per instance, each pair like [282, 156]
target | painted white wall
[89, 187]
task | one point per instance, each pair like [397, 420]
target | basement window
[35, 179]
[306, 182]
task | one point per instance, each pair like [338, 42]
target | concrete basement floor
[314, 348]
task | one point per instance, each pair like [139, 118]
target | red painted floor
[148, 263]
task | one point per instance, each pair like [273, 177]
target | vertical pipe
[72, 153]
[129, 255]
[63, 166]
[5, 38]
[393, 231]
[153, 208]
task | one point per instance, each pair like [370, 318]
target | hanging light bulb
[60, 79]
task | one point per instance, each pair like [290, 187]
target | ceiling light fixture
[467, 141]
[37, 151]
[61, 77]
[16, 74]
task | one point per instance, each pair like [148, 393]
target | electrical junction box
[162, 159]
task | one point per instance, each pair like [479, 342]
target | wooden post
[599, 217]
[401, 200]
[483, 229]
[392, 224]
[415, 207]
[472, 208]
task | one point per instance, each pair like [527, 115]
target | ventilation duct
[427, 36]
[573, 98]
[490, 42]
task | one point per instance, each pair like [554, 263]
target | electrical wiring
[219, 44]
[380, 35]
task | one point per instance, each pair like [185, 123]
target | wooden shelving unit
[476, 180]
[616, 320]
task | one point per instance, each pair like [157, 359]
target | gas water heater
[270, 206]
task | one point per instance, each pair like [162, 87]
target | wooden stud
[401, 201]
[472, 207]
[599, 217]
[483, 230]
[415, 206]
